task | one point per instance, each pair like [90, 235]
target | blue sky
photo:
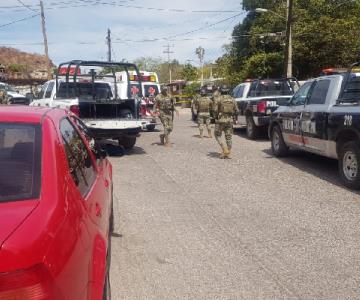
[77, 29]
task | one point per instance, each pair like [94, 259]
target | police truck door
[314, 118]
[291, 118]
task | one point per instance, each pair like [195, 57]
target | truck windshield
[98, 90]
[271, 88]
[19, 161]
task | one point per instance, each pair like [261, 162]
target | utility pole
[200, 51]
[44, 36]
[108, 40]
[168, 52]
[288, 45]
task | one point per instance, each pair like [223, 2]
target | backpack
[204, 105]
[226, 106]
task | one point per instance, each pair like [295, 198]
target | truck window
[151, 90]
[301, 95]
[99, 90]
[352, 87]
[319, 92]
[240, 92]
[20, 161]
[49, 89]
[42, 91]
[78, 157]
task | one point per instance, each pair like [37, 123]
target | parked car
[13, 96]
[257, 99]
[55, 208]
[81, 88]
[323, 117]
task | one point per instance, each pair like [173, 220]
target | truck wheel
[128, 142]
[252, 131]
[150, 127]
[278, 145]
[349, 160]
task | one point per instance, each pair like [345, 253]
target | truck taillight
[75, 110]
[261, 107]
[31, 284]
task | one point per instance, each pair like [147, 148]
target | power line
[171, 38]
[20, 20]
[87, 3]
[25, 5]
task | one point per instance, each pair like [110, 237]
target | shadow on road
[116, 235]
[135, 151]
[261, 138]
[147, 131]
[319, 166]
[214, 155]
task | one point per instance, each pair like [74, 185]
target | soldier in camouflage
[225, 113]
[164, 106]
[3, 97]
[203, 108]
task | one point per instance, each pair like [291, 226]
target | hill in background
[17, 64]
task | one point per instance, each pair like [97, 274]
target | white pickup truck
[94, 101]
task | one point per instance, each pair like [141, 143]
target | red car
[55, 208]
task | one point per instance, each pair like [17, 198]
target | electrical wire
[25, 5]
[20, 20]
[88, 3]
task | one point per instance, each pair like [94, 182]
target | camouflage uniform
[225, 112]
[203, 108]
[3, 97]
[165, 106]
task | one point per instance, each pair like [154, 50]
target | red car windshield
[20, 157]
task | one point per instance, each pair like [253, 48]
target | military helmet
[224, 90]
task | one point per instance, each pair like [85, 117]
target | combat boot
[209, 134]
[225, 152]
[167, 141]
[162, 139]
[201, 133]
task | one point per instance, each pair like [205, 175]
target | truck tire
[278, 146]
[349, 160]
[252, 131]
[150, 127]
[128, 142]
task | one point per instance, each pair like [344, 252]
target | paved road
[192, 226]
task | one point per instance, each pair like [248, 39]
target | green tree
[189, 73]
[324, 35]
[192, 89]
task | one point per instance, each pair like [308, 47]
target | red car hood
[12, 215]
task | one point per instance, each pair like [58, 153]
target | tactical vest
[204, 105]
[166, 105]
[226, 106]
